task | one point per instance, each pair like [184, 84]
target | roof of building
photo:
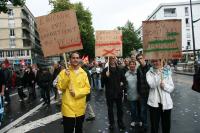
[171, 4]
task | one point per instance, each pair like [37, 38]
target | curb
[182, 73]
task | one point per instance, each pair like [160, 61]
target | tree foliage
[3, 3]
[130, 39]
[84, 18]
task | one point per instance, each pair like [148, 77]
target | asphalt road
[35, 118]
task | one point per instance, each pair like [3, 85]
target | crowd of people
[145, 86]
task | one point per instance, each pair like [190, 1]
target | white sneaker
[20, 100]
[26, 98]
[132, 124]
[140, 124]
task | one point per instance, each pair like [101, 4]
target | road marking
[16, 93]
[11, 125]
[35, 124]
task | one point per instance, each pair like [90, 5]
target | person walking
[2, 87]
[114, 80]
[132, 94]
[7, 79]
[56, 71]
[44, 83]
[20, 85]
[29, 77]
[160, 102]
[74, 84]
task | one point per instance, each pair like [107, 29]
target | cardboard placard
[59, 33]
[108, 43]
[162, 39]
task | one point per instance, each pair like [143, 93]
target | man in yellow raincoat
[74, 84]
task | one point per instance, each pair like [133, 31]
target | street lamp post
[193, 38]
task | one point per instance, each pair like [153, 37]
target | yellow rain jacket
[73, 106]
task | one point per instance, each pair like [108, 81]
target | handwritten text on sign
[162, 39]
[59, 33]
[108, 43]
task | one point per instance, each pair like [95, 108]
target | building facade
[19, 39]
[181, 11]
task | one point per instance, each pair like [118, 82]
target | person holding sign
[142, 88]
[113, 78]
[74, 84]
[159, 100]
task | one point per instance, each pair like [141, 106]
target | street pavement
[33, 117]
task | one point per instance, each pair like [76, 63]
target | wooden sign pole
[108, 63]
[65, 59]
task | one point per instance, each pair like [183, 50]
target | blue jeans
[143, 108]
[134, 111]
[97, 83]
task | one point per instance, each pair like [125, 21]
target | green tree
[3, 3]
[84, 18]
[130, 39]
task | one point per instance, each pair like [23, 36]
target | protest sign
[59, 33]
[162, 39]
[108, 43]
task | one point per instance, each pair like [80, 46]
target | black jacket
[29, 78]
[2, 82]
[45, 79]
[112, 83]
[142, 85]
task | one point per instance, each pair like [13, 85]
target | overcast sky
[108, 14]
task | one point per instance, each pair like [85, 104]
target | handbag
[196, 83]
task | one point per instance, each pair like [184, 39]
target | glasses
[75, 57]
[139, 58]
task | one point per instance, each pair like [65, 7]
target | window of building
[186, 11]
[10, 13]
[170, 12]
[188, 33]
[8, 53]
[1, 54]
[11, 23]
[22, 53]
[12, 42]
[27, 52]
[18, 52]
[188, 44]
[187, 22]
[12, 32]
[11, 53]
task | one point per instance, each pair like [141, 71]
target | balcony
[24, 17]
[27, 43]
[26, 36]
